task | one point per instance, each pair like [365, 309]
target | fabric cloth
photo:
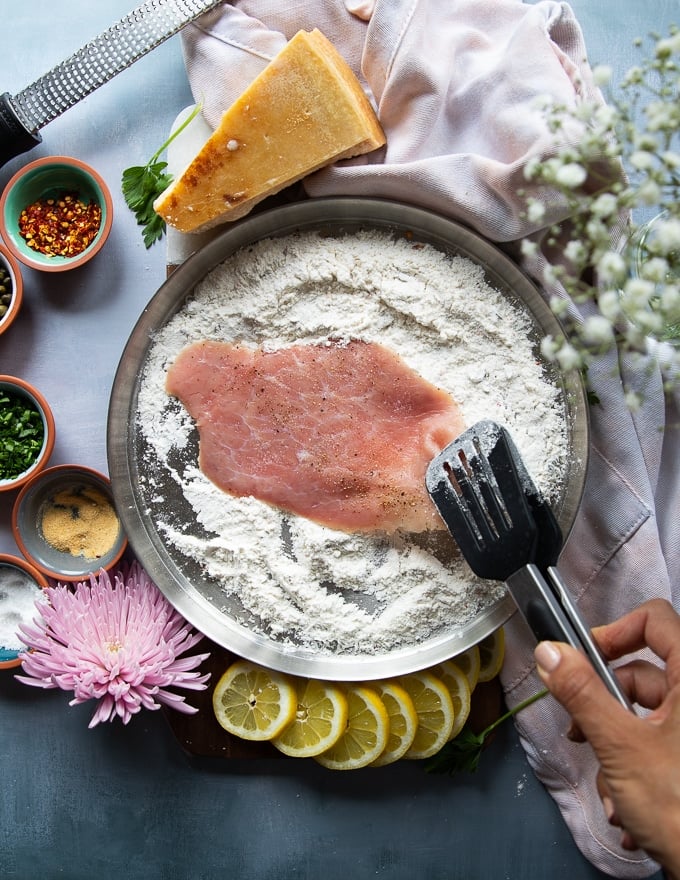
[454, 83]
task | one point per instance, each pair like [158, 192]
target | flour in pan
[289, 578]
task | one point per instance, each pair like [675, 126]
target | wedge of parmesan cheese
[303, 112]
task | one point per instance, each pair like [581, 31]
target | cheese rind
[303, 112]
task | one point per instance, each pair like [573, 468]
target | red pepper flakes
[61, 226]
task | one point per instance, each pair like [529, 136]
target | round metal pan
[181, 581]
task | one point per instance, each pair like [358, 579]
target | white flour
[290, 579]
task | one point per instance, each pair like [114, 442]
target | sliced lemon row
[366, 733]
[253, 702]
[319, 721]
[345, 727]
[469, 662]
[491, 655]
[456, 682]
[403, 722]
[434, 707]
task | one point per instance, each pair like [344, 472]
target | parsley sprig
[142, 184]
[464, 752]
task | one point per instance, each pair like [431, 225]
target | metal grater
[114, 50]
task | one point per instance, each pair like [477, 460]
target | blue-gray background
[125, 801]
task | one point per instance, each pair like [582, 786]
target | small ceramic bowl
[11, 288]
[20, 583]
[13, 389]
[65, 523]
[51, 178]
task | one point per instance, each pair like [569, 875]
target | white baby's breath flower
[655, 270]
[576, 252]
[528, 248]
[637, 293]
[549, 348]
[669, 302]
[602, 75]
[609, 303]
[667, 236]
[568, 357]
[532, 167]
[670, 159]
[572, 174]
[535, 211]
[605, 205]
[649, 193]
[667, 46]
[612, 268]
[558, 306]
[647, 320]
[633, 401]
[660, 116]
[643, 160]
[597, 330]
[634, 76]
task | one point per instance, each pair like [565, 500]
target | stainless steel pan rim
[187, 590]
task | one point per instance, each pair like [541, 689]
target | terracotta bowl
[10, 655]
[52, 178]
[11, 281]
[65, 523]
[12, 387]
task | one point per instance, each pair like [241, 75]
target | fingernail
[547, 656]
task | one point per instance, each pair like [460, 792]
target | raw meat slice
[341, 433]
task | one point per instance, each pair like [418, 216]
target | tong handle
[552, 614]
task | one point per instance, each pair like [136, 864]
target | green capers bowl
[11, 288]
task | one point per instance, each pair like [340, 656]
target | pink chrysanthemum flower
[119, 643]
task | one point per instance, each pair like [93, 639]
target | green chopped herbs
[142, 184]
[22, 433]
[464, 752]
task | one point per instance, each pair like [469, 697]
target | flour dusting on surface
[292, 580]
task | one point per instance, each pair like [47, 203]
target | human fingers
[628, 841]
[645, 683]
[572, 680]
[654, 624]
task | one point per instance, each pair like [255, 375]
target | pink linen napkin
[455, 84]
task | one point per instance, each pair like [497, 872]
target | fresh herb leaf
[142, 184]
[463, 753]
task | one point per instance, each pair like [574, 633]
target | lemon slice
[434, 708]
[491, 654]
[403, 721]
[365, 735]
[469, 662]
[253, 702]
[320, 719]
[457, 683]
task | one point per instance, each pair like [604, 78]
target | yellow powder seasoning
[80, 521]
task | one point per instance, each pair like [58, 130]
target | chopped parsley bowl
[26, 432]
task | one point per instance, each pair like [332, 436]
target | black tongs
[507, 531]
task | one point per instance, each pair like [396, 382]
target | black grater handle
[15, 137]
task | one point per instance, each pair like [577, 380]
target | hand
[639, 777]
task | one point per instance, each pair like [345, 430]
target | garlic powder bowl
[65, 523]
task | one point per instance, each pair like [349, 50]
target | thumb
[572, 680]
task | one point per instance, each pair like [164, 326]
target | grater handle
[15, 136]
[114, 50]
